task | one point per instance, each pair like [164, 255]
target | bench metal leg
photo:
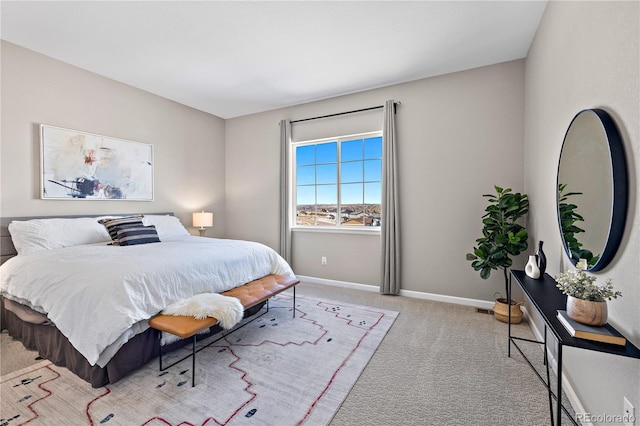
[193, 358]
[160, 348]
[193, 343]
[193, 361]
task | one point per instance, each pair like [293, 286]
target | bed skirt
[51, 344]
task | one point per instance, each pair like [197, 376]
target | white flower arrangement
[578, 284]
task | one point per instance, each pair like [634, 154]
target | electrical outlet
[323, 260]
[628, 413]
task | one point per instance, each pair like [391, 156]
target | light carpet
[276, 370]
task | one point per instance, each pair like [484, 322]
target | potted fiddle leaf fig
[502, 238]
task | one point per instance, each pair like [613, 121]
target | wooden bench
[250, 295]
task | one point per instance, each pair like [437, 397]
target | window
[337, 182]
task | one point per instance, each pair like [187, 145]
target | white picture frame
[76, 165]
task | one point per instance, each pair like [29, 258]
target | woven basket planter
[501, 311]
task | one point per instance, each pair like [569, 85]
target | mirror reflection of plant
[502, 236]
[568, 218]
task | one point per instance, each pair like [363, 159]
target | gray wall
[586, 55]
[188, 144]
[459, 134]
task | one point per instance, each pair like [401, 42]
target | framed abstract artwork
[83, 166]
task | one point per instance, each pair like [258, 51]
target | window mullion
[315, 194]
[339, 186]
[362, 207]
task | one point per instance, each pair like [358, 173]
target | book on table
[588, 332]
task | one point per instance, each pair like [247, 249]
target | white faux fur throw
[227, 310]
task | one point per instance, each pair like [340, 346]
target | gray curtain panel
[285, 213]
[390, 229]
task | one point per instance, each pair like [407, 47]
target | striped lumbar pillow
[133, 235]
[115, 224]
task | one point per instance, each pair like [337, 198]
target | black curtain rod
[343, 113]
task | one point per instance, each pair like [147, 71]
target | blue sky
[317, 172]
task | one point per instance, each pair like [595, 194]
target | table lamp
[202, 221]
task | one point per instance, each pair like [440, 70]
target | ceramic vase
[586, 311]
[541, 259]
[531, 268]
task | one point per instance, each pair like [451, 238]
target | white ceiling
[239, 57]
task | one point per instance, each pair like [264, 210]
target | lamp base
[202, 231]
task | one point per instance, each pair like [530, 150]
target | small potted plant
[586, 301]
[502, 238]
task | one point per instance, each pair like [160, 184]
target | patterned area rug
[275, 370]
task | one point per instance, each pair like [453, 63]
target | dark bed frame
[51, 344]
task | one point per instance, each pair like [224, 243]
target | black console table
[547, 299]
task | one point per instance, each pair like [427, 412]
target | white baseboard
[334, 283]
[477, 303]
[482, 304]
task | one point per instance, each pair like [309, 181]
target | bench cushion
[249, 294]
[183, 327]
[260, 290]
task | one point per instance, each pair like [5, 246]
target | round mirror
[592, 189]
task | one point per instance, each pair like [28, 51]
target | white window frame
[338, 228]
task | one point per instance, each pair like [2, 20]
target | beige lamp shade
[202, 220]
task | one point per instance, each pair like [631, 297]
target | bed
[81, 292]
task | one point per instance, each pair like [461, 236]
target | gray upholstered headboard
[7, 250]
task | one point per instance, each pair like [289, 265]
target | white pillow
[30, 236]
[167, 226]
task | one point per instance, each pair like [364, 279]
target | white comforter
[99, 295]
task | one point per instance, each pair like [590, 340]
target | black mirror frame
[620, 190]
